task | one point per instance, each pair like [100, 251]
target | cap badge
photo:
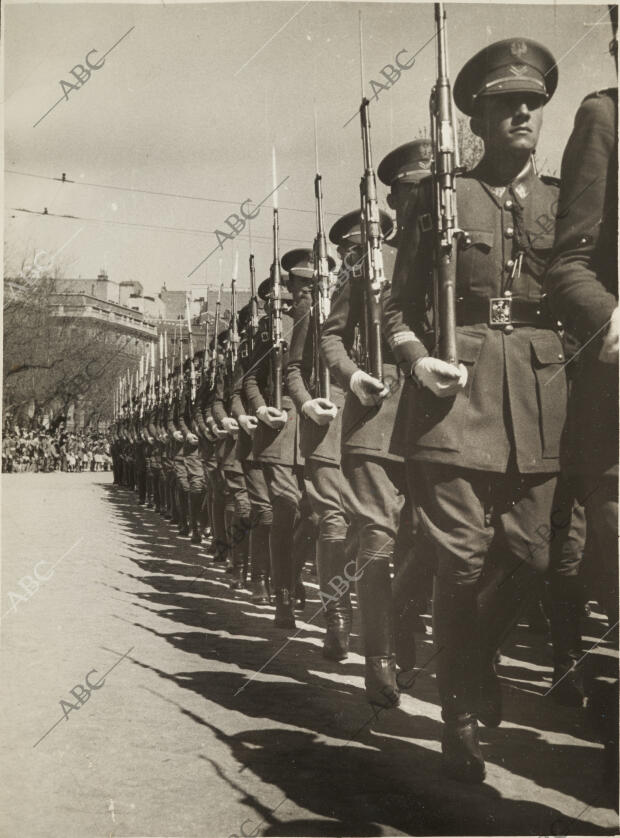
[424, 164]
[518, 48]
[518, 69]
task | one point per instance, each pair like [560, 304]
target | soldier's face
[510, 121]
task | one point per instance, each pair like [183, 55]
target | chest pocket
[475, 254]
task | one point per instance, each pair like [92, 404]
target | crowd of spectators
[44, 449]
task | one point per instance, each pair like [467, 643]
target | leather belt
[504, 312]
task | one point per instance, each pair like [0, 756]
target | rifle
[253, 330]
[167, 389]
[234, 323]
[374, 276]
[320, 290]
[276, 317]
[447, 232]
[213, 370]
[190, 347]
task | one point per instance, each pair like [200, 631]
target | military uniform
[372, 440]
[484, 462]
[582, 284]
[237, 507]
[279, 454]
[326, 485]
[256, 485]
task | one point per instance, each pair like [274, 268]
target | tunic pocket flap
[480, 238]
[547, 351]
[468, 347]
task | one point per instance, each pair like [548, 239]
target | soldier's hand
[248, 423]
[178, 436]
[370, 391]
[220, 433]
[272, 417]
[321, 411]
[441, 378]
[209, 434]
[230, 425]
[609, 350]
[192, 438]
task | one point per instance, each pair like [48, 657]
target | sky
[192, 98]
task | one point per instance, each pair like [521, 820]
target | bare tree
[51, 361]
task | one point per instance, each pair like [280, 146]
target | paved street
[182, 737]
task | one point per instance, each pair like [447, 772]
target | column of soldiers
[328, 427]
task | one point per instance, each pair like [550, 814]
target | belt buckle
[500, 311]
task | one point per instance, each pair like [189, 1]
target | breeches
[329, 496]
[462, 511]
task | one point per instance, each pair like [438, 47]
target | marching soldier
[256, 485]
[372, 427]
[237, 515]
[276, 446]
[320, 427]
[484, 435]
[582, 283]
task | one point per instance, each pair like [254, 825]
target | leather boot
[331, 561]
[374, 594]
[455, 638]
[460, 746]
[195, 505]
[282, 572]
[182, 499]
[504, 597]
[218, 518]
[259, 548]
[565, 606]
[229, 515]
[304, 541]
[409, 596]
[240, 548]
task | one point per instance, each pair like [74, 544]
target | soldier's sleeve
[217, 406]
[260, 357]
[183, 405]
[151, 424]
[576, 294]
[172, 428]
[198, 414]
[338, 331]
[301, 341]
[237, 408]
[404, 302]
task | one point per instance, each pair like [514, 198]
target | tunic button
[509, 232]
[510, 264]
[508, 204]
[509, 329]
[560, 356]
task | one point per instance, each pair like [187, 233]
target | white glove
[230, 425]
[220, 433]
[192, 438]
[248, 423]
[178, 436]
[609, 350]
[321, 411]
[441, 378]
[370, 391]
[272, 417]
